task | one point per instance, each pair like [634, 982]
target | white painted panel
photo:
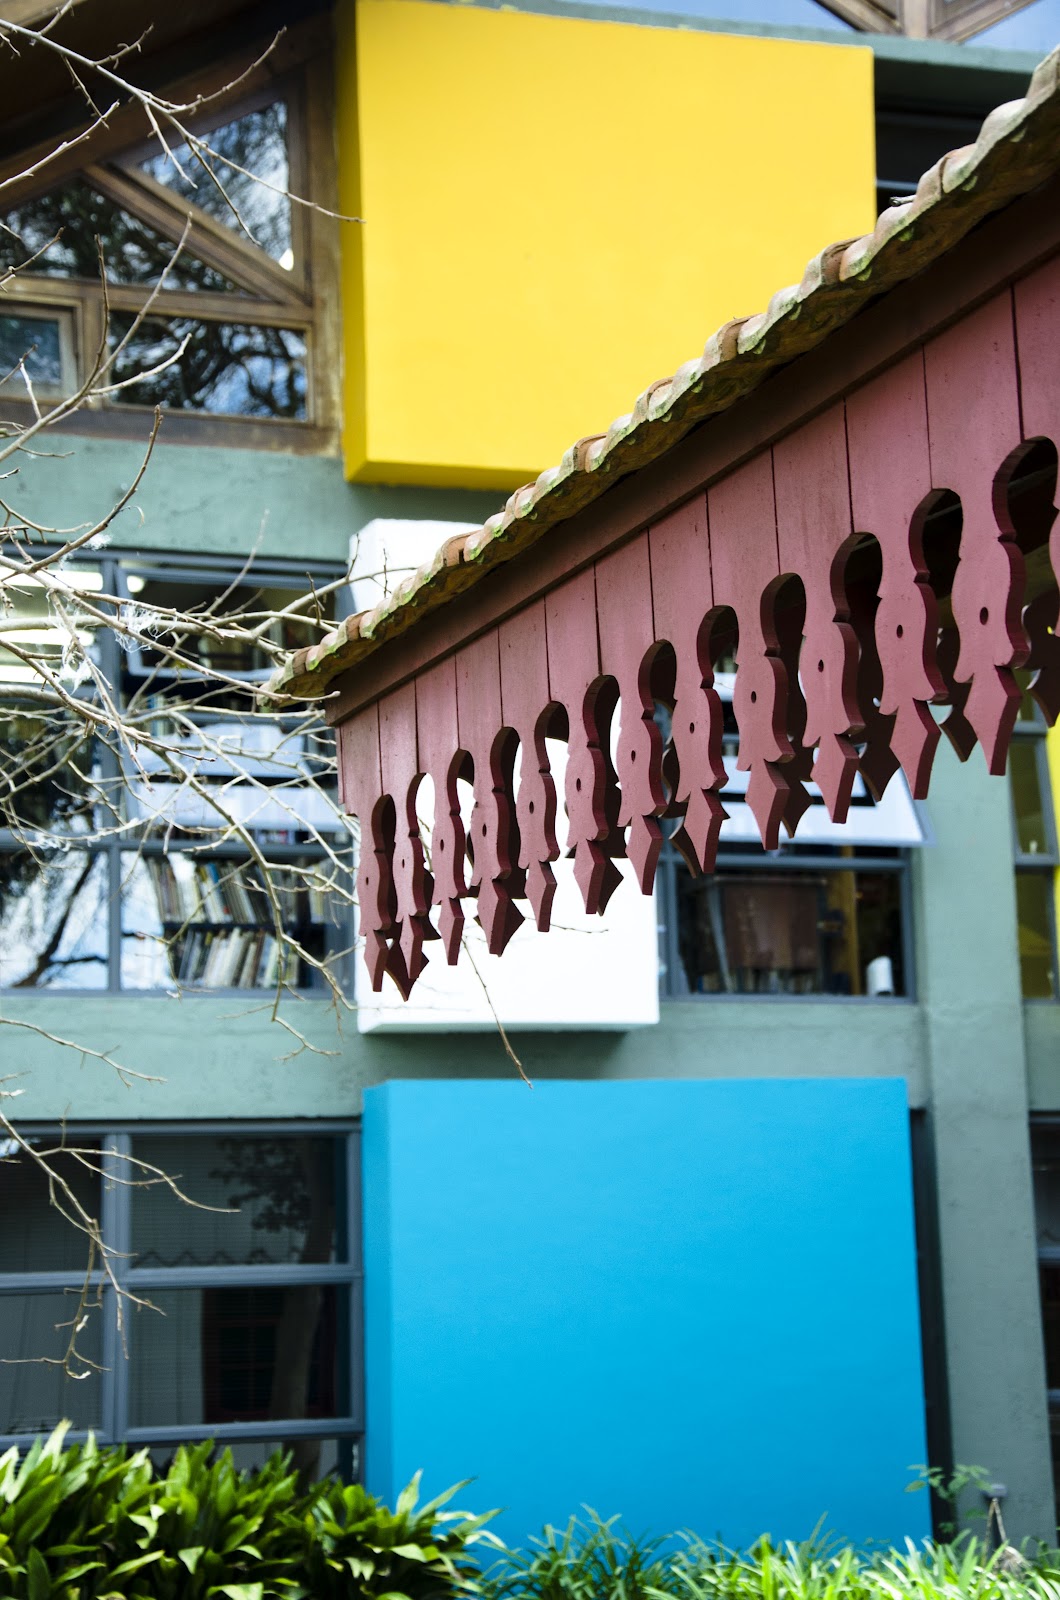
[389, 549]
[588, 972]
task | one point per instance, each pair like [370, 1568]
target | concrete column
[969, 989]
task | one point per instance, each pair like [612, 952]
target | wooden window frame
[65, 317]
[303, 300]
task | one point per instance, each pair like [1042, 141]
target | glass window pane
[1045, 1147]
[235, 1355]
[209, 924]
[53, 921]
[44, 1239]
[254, 604]
[49, 774]
[1032, 833]
[313, 1458]
[41, 345]
[36, 1394]
[257, 142]
[790, 933]
[1034, 893]
[57, 232]
[226, 368]
[276, 1200]
[49, 625]
[1050, 1281]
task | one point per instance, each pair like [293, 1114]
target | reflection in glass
[55, 236]
[1029, 812]
[43, 1240]
[251, 602]
[51, 625]
[53, 921]
[790, 933]
[237, 1354]
[315, 1458]
[273, 1200]
[1050, 1282]
[1045, 1149]
[227, 368]
[37, 343]
[47, 769]
[1034, 892]
[255, 205]
[36, 1394]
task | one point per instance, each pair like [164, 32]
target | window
[237, 271]
[1035, 848]
[39, 344]
[824, 915]
[799, 921]
[252, 1333]
[112, 873]
[1045, 1158]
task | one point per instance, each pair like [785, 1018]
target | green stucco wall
[224, 501]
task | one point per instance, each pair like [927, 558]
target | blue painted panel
[692, 1304]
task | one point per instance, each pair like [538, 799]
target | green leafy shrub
[87, 1523]
[581, 1563]
[599, 1562]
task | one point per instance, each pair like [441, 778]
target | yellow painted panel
[559, 211]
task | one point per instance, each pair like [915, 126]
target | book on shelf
[235, 958]
[225, 891]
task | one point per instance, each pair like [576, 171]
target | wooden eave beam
[177, 72]
[863, 14]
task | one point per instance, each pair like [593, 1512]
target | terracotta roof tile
[1018, 147]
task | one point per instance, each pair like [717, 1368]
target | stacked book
[230, 892]
[220, 920]
[239, 958]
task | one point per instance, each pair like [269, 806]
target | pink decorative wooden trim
[895, 552]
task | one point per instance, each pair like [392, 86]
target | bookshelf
[217, 922]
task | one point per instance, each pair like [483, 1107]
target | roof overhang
[853, 492]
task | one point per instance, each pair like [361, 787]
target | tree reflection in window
[257, 143]
[53, 921]
[228, 368]
[59, 230]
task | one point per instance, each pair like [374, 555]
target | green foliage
[87, 1523]
[599, 1562]
[949, 1487]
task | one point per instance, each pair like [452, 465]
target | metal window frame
[177, 567]
[116, 1226]
[787, 859]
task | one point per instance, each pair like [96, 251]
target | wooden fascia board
[1004, 249]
